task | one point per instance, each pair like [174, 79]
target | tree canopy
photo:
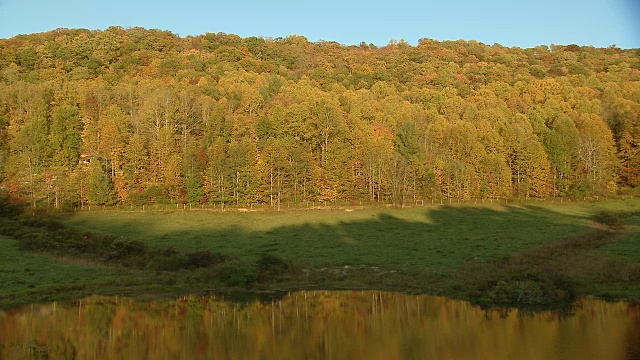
[143, 116]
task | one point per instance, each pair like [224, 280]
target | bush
[8, 209]
[523, 292]
[237, 273]
[10, 227]
[128, 248]
[271, 266]
[169, 262]
[79, 243]
[155, 195]
[583, 188]
[205, 258]
[138, 198]
[629, 191]
[37, 241]
[42, 222]
[130, 253]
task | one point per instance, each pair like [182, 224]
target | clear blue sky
[508, 22]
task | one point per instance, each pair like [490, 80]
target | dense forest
[136, 116]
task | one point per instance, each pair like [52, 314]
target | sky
[522, 23]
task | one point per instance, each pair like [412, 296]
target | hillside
[144, 116]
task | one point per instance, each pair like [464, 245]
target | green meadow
[23, 272]
[414, 240]
[463, 251]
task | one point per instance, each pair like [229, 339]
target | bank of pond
[317, 325]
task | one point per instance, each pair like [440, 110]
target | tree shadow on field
[439, 237]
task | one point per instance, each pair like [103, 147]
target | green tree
[65, 137]
[100, 189]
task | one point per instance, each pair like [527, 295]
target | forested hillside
[144, 116]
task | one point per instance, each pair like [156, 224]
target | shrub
[523, 292]
[128, 248]
[271, 266]
[8, 209]
[205, 258]
[138, 198]
[37, 241]
[10, 227]
[237, 273]
[169, 262]
[77, 243]
[581, 189]
[42, 222]
[130, 253]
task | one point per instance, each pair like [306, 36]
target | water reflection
[316, 325]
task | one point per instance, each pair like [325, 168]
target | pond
[317, 325]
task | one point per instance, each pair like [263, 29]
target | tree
[241, 157]
[326, 123]
[30, 149]
[629, 154]
[270, 120]
[274, 156]
[407, 145]
[561, 143]
[406, 142]
[100, 189]
[65, 137]
[596, 152]
[173, 185]
[136, 163]
[530, 170]
[218, 174]
[194, 163]
[625, 123]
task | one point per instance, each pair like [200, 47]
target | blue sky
[511, 23]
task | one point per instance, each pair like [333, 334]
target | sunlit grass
[420, 249]
[23, 274]
[628, 246]
[415, 240]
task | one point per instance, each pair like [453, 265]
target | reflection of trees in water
[320, 324]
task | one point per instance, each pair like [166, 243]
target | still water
[317, 325]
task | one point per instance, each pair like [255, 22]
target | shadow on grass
[495, 255]
[443, 237]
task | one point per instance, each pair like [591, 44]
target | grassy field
[628, 246]
[414, 240]
[492, 251]
[25, 275]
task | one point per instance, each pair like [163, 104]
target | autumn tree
[221, 119]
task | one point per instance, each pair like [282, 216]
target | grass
[628, 246]
[553, 273]
[482, 252]
[412, 240]
[39, 277]
[27, 277]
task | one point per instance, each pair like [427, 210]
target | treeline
[144, 116]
